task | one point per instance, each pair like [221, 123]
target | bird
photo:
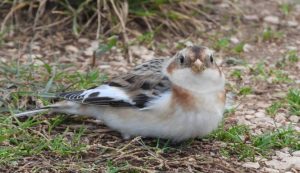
[175, 98]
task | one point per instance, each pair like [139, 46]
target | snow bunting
[177, 98]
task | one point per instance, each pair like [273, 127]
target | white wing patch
[160, 102]
[107, 91]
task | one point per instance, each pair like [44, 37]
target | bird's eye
[181, 59]
[211, 58]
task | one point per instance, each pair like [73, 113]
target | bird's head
[195, 68]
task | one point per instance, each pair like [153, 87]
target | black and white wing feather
[135, 89]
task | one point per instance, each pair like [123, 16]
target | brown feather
[182, 97]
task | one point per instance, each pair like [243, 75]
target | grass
[38, 136]
[241, 143]
[222, 44]
[291, 103]
[237, 74]
[246, 90]
[239, 48]
[286, 8]
[292, 56]
[22, 139]
[271, 35]
[179, 18]
[274, 108]
[293, 99]
[271, 74]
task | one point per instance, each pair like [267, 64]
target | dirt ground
[252, 39]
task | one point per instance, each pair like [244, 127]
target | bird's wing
[135, 89]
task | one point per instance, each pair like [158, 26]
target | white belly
[176, 124]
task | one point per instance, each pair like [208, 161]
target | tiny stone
[296, 153]
[14, 163]
[285, 149]
[250, 112]
[292, 23]
[243, 121]
[224, 5]
[262, 120]
[280, 118]
[279, 94]
[257, 132]
[240, 67]
[249, 117]
[234, 40]
[297, 128]
[188, 43]
[10, 44]
[294, 118]
[260, 158]
[292, 162]
[83, 40]
[282, 155]
[291, 48]
[247, 48]
[104, 66]
[116, 63]
[32, 56]
[192, 160]
[270, 170]
[253, 126]
[272, 20]
[89, 52]
[119, 58]
[254, 165]
[263, 104]
[35, 47]
[71, 48]
[251, 17]
[276, 164]
[38, 62]
[259, 114]
[95, 44]
[147, 56]
[139, 50]
[122, 70]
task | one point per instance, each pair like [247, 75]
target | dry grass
[178, 17]
[123, 18]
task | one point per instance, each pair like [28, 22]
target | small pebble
[296, 153]
[282, 155]
[251, 17]
[254, 165]
[294, 118]
[259, 114]
[270, 170]
[272, 20]
[292, 23]
[280, 118]
[71, 48]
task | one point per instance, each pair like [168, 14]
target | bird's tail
[61, 107]
[33, 112]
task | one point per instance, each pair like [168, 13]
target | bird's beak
[198, 66]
